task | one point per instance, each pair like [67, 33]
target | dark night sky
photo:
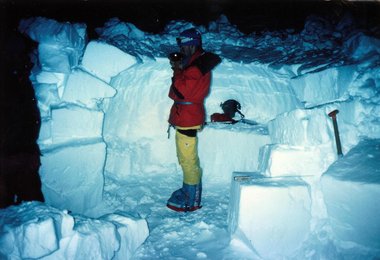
[152, 15]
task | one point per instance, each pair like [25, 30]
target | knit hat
[190, 37]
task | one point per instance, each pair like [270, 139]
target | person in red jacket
[190, 86]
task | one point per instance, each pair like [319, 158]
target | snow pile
[351, 195]
[104, 132]
[36, 231]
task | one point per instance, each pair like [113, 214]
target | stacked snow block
[271, 215]
[106, 61]
[214, 152]
[34, 230]
[331, 85]
[275, 210]
[304, 146]
[352, 198]
[71, 85]
[72, 175]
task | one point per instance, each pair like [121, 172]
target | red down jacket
[189, 89]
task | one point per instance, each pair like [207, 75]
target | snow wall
[105, 115]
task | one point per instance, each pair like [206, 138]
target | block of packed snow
[53, 58]
[60, 44]
[360, 45]
[47, 77]
[85, 89]
[119, 162]
[271, 215]
[114, 27]
[32, 230]
[49, 31]
[132, 231]
[93, 239]
[285, 160]
[72, 176]
[237, 144]
[351, 190]
[50, 77]
[47, 95]
[302, 127]
[105, 61]
[73, 122]
[45, 132]
[324, 86]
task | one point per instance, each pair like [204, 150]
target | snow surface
[272, 190]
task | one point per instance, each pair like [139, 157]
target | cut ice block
[132, 230]
[271, 215]
[217, 144]
[85, 89]
[32, 230]
[72, 177]
[301, 127]
[106, 61]
[75, 122]
[47, 95]
[285, 160]
[351, 193]
[56, 59]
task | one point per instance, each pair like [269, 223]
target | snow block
[84, 89]
[54, 58]
[49, 31]
[302, 127]
[352, 193]
[324, 86]
[32, 230]
[119, 163]
[217, 144]
[60, 44]
[361, 46]
[44, 137]
[46, 77]
[271, 215]
[93, 239]
[132, 230]
[49, 77]
[72, 123]
[285, 160]
[72, 177]
[47, 95]
[106, 61]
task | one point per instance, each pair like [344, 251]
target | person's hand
[176, 65]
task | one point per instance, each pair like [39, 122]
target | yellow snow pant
[187, 153]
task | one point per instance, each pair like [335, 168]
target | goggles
[187, 41]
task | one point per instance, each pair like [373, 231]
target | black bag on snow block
[231, 107]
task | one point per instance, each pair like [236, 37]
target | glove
[176, 65]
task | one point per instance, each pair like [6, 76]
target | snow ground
[204, 234]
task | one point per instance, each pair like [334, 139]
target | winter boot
[188, 198]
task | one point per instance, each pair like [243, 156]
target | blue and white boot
[188, 198]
